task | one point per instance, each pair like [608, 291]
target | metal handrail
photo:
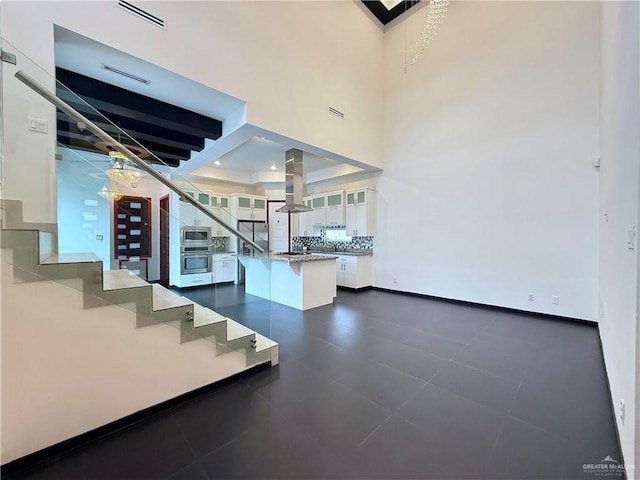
[141, 164]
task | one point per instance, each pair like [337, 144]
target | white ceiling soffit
[252, 162]
[258, 155]
[83, 55]
[254, 158]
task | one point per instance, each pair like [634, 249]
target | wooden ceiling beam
[117, 101]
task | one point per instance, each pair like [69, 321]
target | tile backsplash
[219, 243]
[319, 243]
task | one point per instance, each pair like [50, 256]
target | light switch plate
[39, 125]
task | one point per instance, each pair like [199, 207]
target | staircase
[151, 303]
[64, 317]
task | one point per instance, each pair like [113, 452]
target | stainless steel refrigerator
[256, 231]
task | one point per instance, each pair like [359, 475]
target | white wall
[28, 161]
[489, 140]
[619, 193]
[288, 60]
[78, 184]
[73, 370]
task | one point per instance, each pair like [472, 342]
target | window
[336, 235]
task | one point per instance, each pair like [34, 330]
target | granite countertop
[291, 258]
[358, 253]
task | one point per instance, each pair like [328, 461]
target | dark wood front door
[164, 241]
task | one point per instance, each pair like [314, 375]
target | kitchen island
[298, 281]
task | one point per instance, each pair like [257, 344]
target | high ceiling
[388, 10]
[239, 161]
[83, 55]
[171, 125]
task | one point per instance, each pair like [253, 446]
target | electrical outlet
[622, 411]
[395, 280]
[530, 297]
[555, 299]
[99, 237]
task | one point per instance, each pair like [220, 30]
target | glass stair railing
[116, 234]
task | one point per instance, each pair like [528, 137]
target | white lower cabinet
[194, 279]
[353, 271]
[224, 268]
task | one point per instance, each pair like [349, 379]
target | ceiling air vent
[138, 12]
[127, 74]
[337, 113]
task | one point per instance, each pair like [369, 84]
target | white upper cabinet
[335, 208]
[260, 208]
[248, 207]
[360, 212]
[241, 206]
[319, 214]
[328, 209]
[305, 221]
[220, 207]
[190, 215]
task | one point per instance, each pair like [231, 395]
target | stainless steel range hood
[293, 183]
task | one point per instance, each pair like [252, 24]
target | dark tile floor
[381, 386]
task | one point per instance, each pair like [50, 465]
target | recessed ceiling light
[217, 162]
[262, 138]
[273, 167]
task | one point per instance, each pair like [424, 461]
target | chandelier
[114, 195]
[122, 170]
[435, 16]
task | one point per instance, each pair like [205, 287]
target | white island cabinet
[298, 281]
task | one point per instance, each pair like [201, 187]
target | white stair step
[164, 298]
[263, 343]
[117, 279]
[50, 258]
[203, 316]
[237, 330]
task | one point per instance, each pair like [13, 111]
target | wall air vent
[127, 74]
[138, 12]
[337, 113]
